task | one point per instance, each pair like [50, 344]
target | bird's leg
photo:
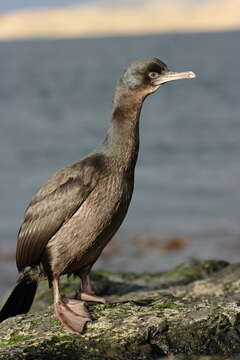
[86, 292]
[72, 313]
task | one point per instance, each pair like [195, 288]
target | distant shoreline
[5, 41]
[96, 20]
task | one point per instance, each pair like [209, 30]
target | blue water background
[55, 106]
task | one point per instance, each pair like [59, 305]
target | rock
[189, 311]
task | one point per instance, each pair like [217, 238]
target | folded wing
[53, 205]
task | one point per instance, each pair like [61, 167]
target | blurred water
[55, 104]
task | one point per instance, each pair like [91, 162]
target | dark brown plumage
[76, 213]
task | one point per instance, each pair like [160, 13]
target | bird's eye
[153, 74]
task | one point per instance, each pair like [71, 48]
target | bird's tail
[21, 298]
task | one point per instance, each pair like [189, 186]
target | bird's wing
[55, 203]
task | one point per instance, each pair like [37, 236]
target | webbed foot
[72, 314]
[91, 297]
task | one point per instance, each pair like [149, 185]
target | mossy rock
[190, 312]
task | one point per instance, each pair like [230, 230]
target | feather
[53, 205]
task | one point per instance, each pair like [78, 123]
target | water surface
[55, 105]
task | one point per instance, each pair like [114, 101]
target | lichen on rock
[188, 312]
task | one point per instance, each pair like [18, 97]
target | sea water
[55, 106]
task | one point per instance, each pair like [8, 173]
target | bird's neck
[122, 141]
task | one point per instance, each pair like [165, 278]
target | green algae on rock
[193, 309]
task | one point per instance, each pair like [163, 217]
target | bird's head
[147, 75]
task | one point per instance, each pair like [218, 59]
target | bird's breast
[111, 197]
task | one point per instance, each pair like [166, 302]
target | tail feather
[20, 300]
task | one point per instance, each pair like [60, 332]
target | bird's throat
[123, 134]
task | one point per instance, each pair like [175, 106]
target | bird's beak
[170, 76]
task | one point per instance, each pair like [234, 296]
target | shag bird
[76, 213]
